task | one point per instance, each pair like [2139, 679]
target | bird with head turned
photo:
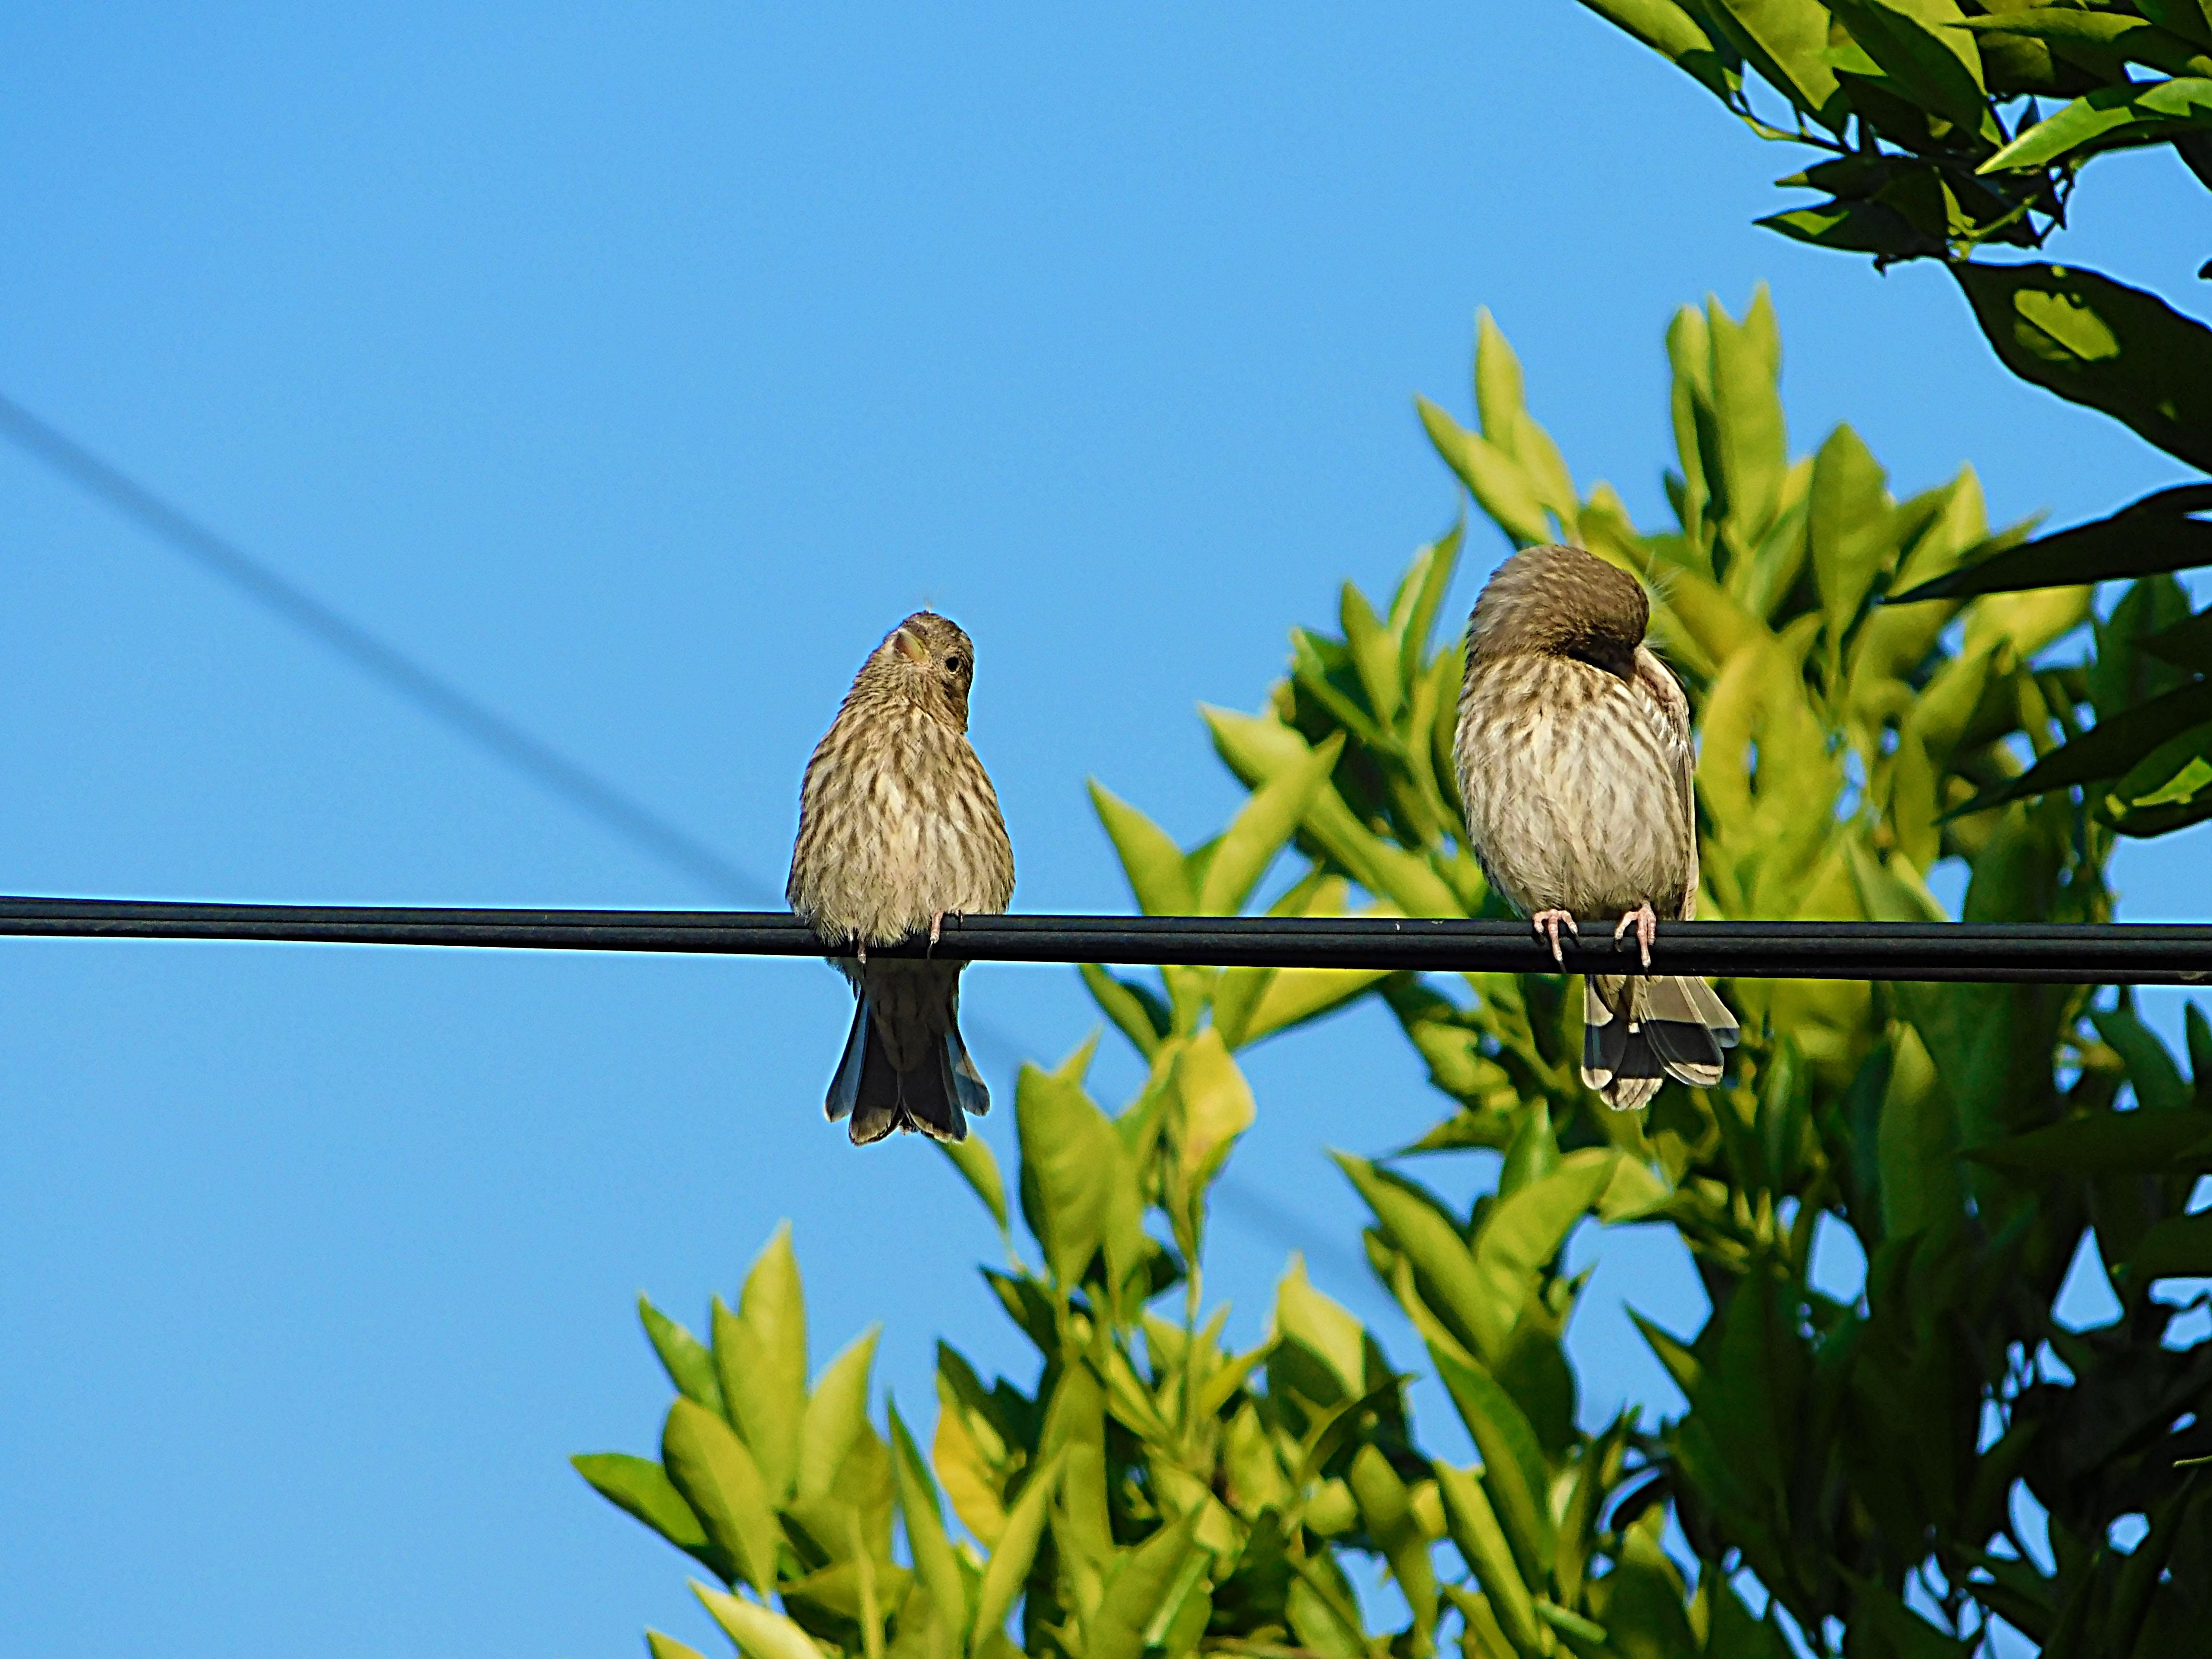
[1576, 761]
[898, 828]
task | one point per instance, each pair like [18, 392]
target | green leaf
[1847, 527]
[1386, 1509]
[667, 1647]
[1142, 1017]
[641, 1487]
[2108, 1143]
[2186, 644]
[2179, 1247]
[690, 1366]
[1482, 1544]
[2108, 748]
[1672, 33]
[1137, 1593]
[1008, 1569]
[1498, 485]
[1216, 1104]
[2097, 342]
[761, 1633]
[2157, 1081]
[1070, 1158]
[2145, 537]
[1152, 862]
[1753, 443]
[710, 1465]
[1525, 1229]
[760, 1357]
[934, 1561]
[1844, 226]
[1513, 1468]
[979, 1167]
[2124, 114]
[1412, 1220]
[1917, 1140]
[836, 1415]
[1786, 42]
[2103, 37]
[1304, 1315]
[2190, 19]
[1267, 821]
[1927, 58]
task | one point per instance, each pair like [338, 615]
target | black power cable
[2102, 953]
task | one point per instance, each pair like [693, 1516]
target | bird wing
[1670, 710]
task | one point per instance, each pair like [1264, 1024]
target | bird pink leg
[1548, 923]
[937, 926]
[1645, 922]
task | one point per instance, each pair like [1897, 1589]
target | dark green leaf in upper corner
[2102, 343]
[2144, 537]
[2107, 749]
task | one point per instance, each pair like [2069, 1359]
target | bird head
[1560, 601]
[927, 659]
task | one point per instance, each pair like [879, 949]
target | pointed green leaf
[1071, 1158]
[979, 1167]
[1152, 862]
[934, 1560]
[761, 1633]
[836, 1415]
[690, 1366]
[1482, 1544]
[1514, 1471]
[2146, 537]
[760, 1358]
[1496, 481]
[642, 1488]
[1265, 824]
[710, 1465]
[1008, 1569]
[2110, 116]
[667, 1647]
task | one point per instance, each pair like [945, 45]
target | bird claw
[937, 925]
[1548, 924]
[1645, 922]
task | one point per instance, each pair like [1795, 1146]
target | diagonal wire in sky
[527, 754]
[530, 756]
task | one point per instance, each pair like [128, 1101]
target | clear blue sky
[637, 368]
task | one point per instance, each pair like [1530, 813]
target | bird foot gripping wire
[1548, 924]
[1645, 922]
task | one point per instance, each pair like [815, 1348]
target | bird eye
[953, 662]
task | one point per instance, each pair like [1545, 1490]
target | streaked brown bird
[1574, 760]
[898, 828]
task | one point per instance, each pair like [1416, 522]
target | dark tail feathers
[933, 1096]
[1638, 1032]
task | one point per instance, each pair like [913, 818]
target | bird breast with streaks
[1572, 783]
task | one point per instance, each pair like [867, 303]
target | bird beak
[910, 648]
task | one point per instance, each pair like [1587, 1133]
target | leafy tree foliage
[1147, 1489]
[1939, 143]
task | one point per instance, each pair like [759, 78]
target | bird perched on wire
[1575, 760]
[898, 828]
